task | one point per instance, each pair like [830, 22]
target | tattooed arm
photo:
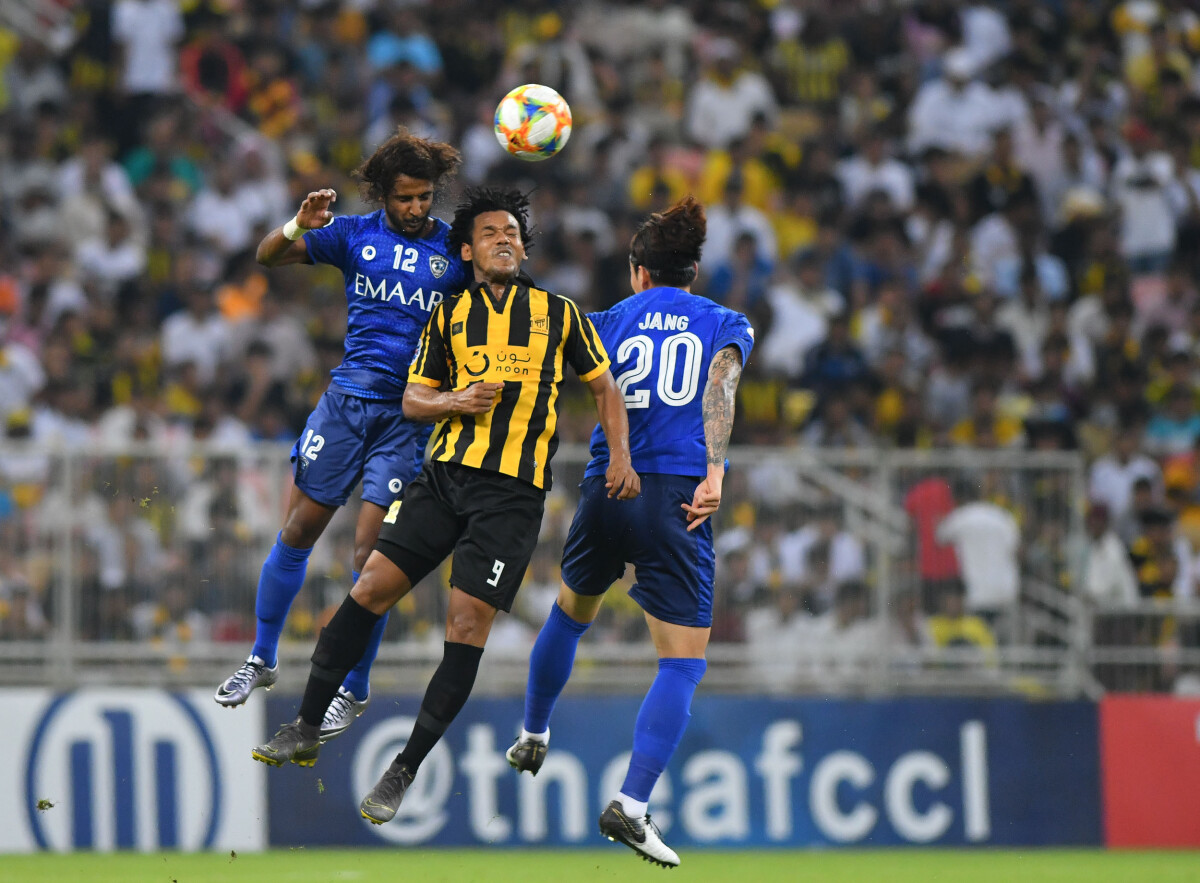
[724, 372]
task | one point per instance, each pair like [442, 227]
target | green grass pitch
[615, 864]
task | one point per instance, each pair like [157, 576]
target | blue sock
[663, 717]
[550, 665]
[280, 581]
[358, 682]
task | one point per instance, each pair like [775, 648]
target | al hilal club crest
[438, 265]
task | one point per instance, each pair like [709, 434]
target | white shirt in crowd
[205, 342]
[1103, 571]
[724, 226]
[1141, 188]
[799, 321]
[959, 120]
[985, 539]
[847, 559]
[222, 219]
[1111, 482]
[21, 377]
[111, 265]
[719, 113]
[860, 177]
[148, 30]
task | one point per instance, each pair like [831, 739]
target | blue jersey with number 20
[393, 283]
[661, 342]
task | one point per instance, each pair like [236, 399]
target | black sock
[446, 695]
[339, 648]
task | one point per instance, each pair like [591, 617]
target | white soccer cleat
[640, 835]
[341, 713]
[237, 688]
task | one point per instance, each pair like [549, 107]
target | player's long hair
[404, 154]
[478, 200]
[668, 243]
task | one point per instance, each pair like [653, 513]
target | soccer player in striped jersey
[398, 265]
[489, 366]
[665, 339]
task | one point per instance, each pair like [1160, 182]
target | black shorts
[488, 520]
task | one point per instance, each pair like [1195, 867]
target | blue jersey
[392, 285]
[661, 342]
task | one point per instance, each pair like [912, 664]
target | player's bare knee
[362, 551]
[469, 624]
[376, 591]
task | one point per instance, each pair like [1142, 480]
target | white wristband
[293, 231]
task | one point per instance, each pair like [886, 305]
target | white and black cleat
[640, 835]
[527, 755]
[237, 688]
[341, 713]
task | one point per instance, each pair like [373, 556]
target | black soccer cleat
[381, 804]
[527, 755]
[297, 742]
[640, 835]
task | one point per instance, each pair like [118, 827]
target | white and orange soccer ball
[533, 122]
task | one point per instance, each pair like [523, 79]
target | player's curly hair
[668, 243]
[404, 154]
[477, 200]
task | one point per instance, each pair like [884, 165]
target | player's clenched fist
[314, 211]
[621, 481]
[478, 398]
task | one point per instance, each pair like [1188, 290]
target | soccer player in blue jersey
[664, 340]
[398, 265]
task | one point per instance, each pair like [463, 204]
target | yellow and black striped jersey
[523, 343]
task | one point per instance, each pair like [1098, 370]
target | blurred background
[966, 448]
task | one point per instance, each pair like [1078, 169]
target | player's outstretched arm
[720, 391]
[285, 244]
[620, 479]
[425, 404]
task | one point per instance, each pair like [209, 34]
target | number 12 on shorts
[497, 569]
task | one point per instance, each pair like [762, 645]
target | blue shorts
[675, 568]
[348, 439]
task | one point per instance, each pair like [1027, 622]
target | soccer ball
[533, 122]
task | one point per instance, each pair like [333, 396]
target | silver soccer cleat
[341, 713]
[237, 688]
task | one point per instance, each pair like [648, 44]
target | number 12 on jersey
[680, 354]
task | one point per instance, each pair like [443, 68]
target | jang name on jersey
[661, 342]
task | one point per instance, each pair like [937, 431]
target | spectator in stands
[777, 636]
[197, 335]
[726, 99]
[1141, 184]
[953, 627]
[955, 112]
[986, 541]
[836, 363]
[1101, 568]
[1176, 428]
[1161, 559]
[740, 282]
[729, 219]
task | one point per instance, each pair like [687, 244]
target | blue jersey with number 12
[393, 282]
[661, 342]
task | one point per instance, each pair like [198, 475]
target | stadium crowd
[954, 224]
